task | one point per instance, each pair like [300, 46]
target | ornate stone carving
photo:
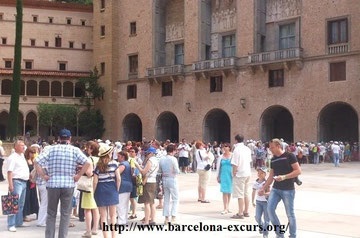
[175, 32]
[223, 20]
[281, 9]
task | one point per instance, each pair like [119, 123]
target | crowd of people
[127, 174]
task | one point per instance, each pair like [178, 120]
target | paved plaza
[327, 206]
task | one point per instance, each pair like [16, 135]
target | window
[4, 41]
[166, 89]
[133, 64]
[51, 20]
[35, 18]
[207, 52]
[276, 78]
[46, 43]
[132, 28]
[71, 44]
[216, 84]
[28, 64]
[338, 31]
[1, 16]
[102, 68]
[62, 66]
[83, 22]
[287, 36]
[102, 5]
[102, 30]
[8, 64]
[229, 46]
[68, 21]
[179, 54]
[58, 41]
[131, 91]
[32, 42]
[337, 71]
[83, 46]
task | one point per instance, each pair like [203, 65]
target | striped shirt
[109, 175]
[61, 161]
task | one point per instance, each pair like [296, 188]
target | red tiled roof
[47, 73]
[76, 7]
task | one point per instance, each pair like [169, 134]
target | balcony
[222, 65]
[285, 56]
[173, 72]
[338, 48]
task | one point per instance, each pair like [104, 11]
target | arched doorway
[167, 127]
[277, 122]
[4, 117]
[31, 123]
[338, 121]
[216, 126]
[132, 128]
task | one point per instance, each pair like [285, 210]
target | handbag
[208, 166]
[10, 204]
[85, 184]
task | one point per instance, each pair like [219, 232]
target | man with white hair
[335, 148]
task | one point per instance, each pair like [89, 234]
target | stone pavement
[327, 206]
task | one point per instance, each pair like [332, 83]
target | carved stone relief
[174, 32]
[214, 46]
[223, 20]
[281, 9]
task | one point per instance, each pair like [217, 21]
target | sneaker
[12, 229]
[224, 212]
[41, 225]
[24, 225]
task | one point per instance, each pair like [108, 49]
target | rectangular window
[46, 43]
[83, 22]
[62, 66]
[102, 5]
[338, 31]
[133, 65]
[71, 44]
[179, 54]
[166, 89]
[102, 30]
[83, 46]
[8, 64]
[58, 41]
[337, 71]
[228, 46]
[131, 91]
[68, 21]
[216, 84]
[1, 16]
[51, 20]
[132, 28]
[32, 42]
[28, 64]
[287, 36]
[102, 68]
[207, 52]
[4, 41]
[276, 78]
[35, 18]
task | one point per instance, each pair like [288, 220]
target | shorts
[204, 177]
[183, 162]
[241, 187]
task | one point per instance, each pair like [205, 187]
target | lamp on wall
[188, 106]
[243, 102]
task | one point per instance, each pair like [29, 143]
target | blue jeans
[336, 159]
[171, 189]
[288, 197]
[19, 188]
[261, 208]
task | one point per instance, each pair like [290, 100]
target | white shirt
[242, 159]
[184, 150]
[202, 160]
[335, 148]
[257, 186]
[16, 163]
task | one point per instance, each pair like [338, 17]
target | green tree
[15, 87]
[91, 124]
[92, 88]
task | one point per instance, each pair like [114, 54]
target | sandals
[246, 214]
[237, 216]
[71, 224]
[159, 207]
[205, 201]
[132, 217]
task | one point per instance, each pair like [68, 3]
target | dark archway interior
[217, 127]
[277, 122]
[167, 127]
[338, 121]
[132, 128]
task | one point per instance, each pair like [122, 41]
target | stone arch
[277, 122]
[167, 127]
[4, 117]
[338, 121]
[31, 123]
[6, 87]
[44, 88]
[132, 128]
[68, 89]
[31, 88]
[216, 126]
[55, 89]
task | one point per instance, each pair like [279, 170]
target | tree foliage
[15, 87]
[86, 2]
[91, 124]
[92, 88]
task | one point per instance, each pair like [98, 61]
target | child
[261, 201]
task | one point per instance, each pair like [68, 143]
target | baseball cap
[65, 133]
[150, 150]
[264, 169]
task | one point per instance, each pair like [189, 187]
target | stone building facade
[209, 69]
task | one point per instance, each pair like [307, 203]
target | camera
[297, 181]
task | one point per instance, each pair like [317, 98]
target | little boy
[261, 201]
